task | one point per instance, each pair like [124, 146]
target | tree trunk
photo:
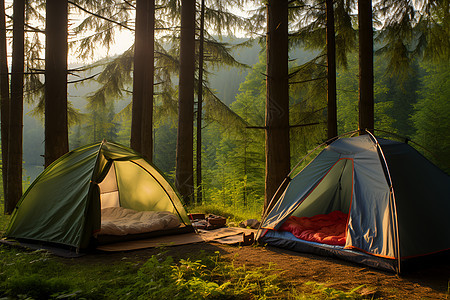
[14, 188]
[366, 103]
[200, 104]
[185, 158]
[147, 89]
[331, 72]
[140, 43]
[4, 95]
[277, 98]
[56, 128]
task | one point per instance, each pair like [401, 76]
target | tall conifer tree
[142, 106]
[366, 101]
[185, 156]
[15, 152]
[200, 103]
[277, 98]
[147, 108]
[331, 72]
[143, 73]
[4, 96]
[56, 128]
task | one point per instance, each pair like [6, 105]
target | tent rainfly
[374, 201]
[65, 204]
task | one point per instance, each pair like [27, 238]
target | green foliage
[238, 165]
[331, 293]
[394, 100]
[95, 31]
[23, 275]
[235, 177]
[414, 30]
[308, 19]
[432, 114]
[206, 278]
[97, 125]
[36, 287]
[165, 146]
[37, 275]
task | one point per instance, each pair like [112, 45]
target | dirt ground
[428, 280]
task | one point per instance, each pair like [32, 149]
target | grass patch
[319, 290]
[37, 275]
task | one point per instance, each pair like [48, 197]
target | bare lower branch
[99, 16]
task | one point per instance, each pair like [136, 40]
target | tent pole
[314, 150]
[392, 197]
[167, 193]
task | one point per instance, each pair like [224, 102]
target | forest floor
[429, 280]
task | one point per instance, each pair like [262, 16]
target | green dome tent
[63, 205]
[393, 203]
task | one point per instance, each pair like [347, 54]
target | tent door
[109, 192]
[334, 192]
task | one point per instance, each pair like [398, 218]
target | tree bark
[147, 89]
[331, 72]
[366, 101]
[138, 75]
[4, 95]
[56, 127]
[14, 188]
[184, 180]
[277, 98]
[200, 104]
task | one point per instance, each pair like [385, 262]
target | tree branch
[99, 16]
[304, 81]
[33, 29]
[290, 126]
[129, 3]
[83, 79]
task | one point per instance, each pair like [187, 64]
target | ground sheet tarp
[225, 235]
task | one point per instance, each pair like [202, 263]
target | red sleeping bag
[326, 229]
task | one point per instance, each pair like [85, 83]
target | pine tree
[56, 127]
[142, 108]
[277, 99]
[331, 71]
[14, 183]
[185, 157]
[366, 103]
[4, 98]
[147, 109]
[199, 196]
[327, 26]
